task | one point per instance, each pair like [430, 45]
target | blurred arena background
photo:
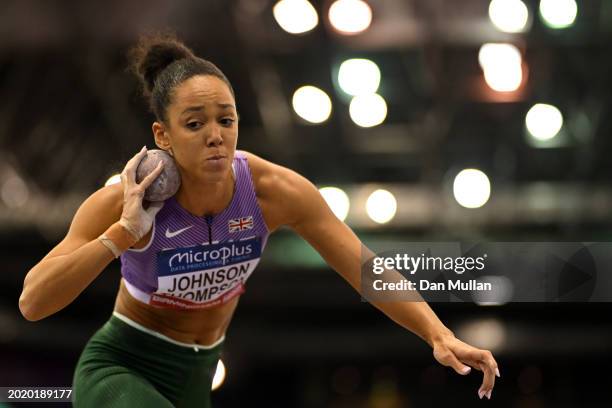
[471, 119]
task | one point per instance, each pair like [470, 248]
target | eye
[194, 125]
[227, 122]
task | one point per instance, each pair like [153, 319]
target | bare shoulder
[99, 211]
[107, 202]
[109, 195]
[268, 176]
[281, 192]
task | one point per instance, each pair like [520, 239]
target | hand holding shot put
[150, 177]
[176, 298]
[135, 218]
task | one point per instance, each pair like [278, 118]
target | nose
[214, 138]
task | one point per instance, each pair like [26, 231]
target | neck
[205, 198]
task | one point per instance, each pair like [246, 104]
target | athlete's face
[201, 129]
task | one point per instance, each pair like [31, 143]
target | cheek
[186, 147]
[185, 139]
[231, 136]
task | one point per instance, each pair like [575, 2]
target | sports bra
[193, 262]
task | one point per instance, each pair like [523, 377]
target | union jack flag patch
[240, 224]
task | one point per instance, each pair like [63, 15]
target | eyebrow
[201, 107]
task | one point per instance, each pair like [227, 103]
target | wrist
[117, 239]
[128, 228]
[438, 335]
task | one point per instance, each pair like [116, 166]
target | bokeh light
[368, 110]
[543, 121]
[488, 334]
[502, 66]
[359, 76]
[381, 206]
[509, 16]
[219, 376]
[558, 14]
[337, 200]
[14, 192]
[471, 188]
[312, 104]
[295, 16]
[350, 16]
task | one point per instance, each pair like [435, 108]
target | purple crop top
[194, 262]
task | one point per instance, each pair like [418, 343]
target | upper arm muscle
[94, 216]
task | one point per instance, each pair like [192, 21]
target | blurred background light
[492, 54]
[114, 179]
[14, 191]
[471, 188]
[502, 290]
[295, 16]
[506, 78]
[509, 16]
[350, 16]
[502, 66]
[558, 14]
[368, 110]
[312, 104]
[219, 376]
[543, 121]
[359, 76]
[337, 200]
[381, 206]
[489, 334]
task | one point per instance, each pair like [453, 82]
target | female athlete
[184, 261]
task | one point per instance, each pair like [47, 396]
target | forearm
[55, 282]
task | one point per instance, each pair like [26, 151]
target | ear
[161, 136]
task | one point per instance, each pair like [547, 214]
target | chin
[215, 176]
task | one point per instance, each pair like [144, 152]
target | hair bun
[153, 54]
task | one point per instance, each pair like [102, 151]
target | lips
[216, 162]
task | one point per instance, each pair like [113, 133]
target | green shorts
[126, 365]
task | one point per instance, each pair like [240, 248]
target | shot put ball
[167, 183]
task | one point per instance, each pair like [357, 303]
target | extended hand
[135, 218]
[452, 352]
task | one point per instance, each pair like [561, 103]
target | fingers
[448, 359]
[146, 182]
[488, 365]
[128, 175]
[457, 354]
[154, 208]
[134, 161]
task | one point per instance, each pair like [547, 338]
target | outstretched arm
[301, 207]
